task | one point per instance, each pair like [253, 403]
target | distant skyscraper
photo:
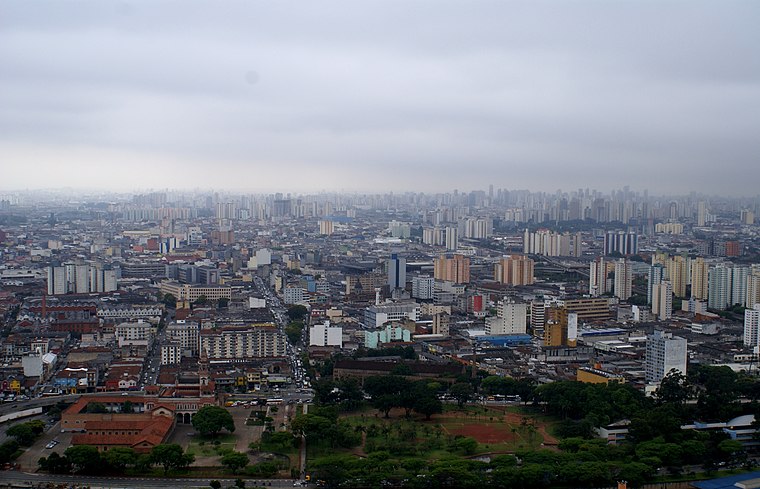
[664, 353]
[396, 272]
[625, 243]
[701, 213]
[719, 287]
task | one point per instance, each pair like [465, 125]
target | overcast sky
[381, 95]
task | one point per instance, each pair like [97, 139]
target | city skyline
[381, 96]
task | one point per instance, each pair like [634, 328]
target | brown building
[514, 270]
[149, 424]
[454, 268]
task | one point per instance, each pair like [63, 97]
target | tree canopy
[210, 420]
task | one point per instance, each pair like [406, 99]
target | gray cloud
[391, 95]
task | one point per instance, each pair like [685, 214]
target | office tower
[454, 268]
[656, 274]
[662, 300]
[752, 326]
[511, 318]
[396, 268]
[597, 279]
[625, 243]
[699, 279]
[664, 353]
[514, 270]
[623, 279]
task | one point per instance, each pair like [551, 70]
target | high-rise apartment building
[664, 353]
[514, 270]
[662, 300]
[598, 284]
[423, 288]
[623, 279]
[656, 275]
[450, 268]
[511, 318]
[625, 243]
[752, 326]
[699, 278]
[678, 274]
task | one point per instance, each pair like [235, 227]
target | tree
[222, 303]
[7, 450]
[22, 433]
[462, 392]
[170, 456]
[201, 300]
[169, 300]
[55, 464]
[120, 457]
[83, 458]
[428, 406]
[294, 331]
[127, 407]
[234, 461]
[209, 420]
[297, 312]
[96, 408]
[215, 484]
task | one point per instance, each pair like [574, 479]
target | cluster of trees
[87, 459]
[322, 426]
[25, 433]
[393, 391]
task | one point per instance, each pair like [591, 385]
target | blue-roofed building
[744, 481]
[504, 340]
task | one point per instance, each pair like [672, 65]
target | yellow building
[597, 376]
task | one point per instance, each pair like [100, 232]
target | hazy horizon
[380, 96]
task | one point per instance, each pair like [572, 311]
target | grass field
[207, 446]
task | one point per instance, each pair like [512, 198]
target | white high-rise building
[662, 300]
[326, 335]
[752, 326]
[56, 281]
[719, 287]
[423, 288]
[452, 238]
[664, 353]
[512, 318]
[597, 280]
